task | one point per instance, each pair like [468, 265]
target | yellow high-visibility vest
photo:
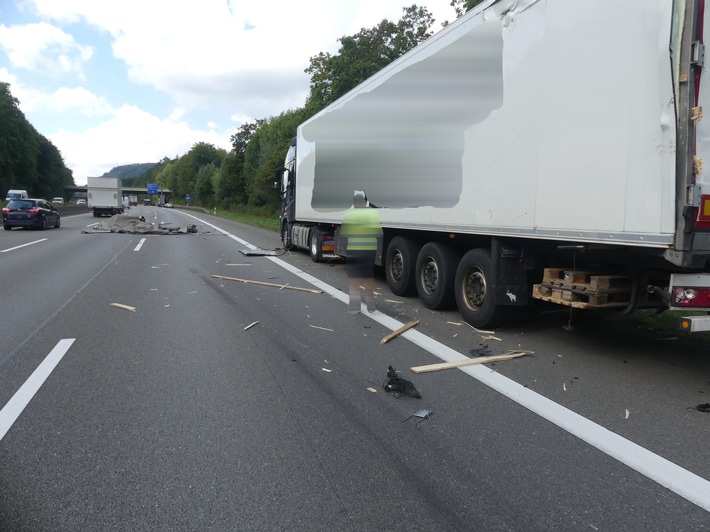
[362, 228]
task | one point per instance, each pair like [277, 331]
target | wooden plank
[399, 331]
[261, 283]
[469, 362]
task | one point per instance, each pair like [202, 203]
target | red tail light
[5, 209]
[33, 211]
[690, 297]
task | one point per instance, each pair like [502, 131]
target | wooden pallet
[582, 300]
[583, 289]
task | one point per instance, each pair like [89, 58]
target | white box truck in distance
[104, 196]
[533, 149]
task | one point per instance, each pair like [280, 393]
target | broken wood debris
[124, 307]
[321, 328]
[399, 331]
[250, 325]
[261, 283]
[469, 362]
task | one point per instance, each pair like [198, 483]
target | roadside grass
[256, 216]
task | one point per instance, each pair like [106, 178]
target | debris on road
[125, 223]
[398, 385]
[704, 407]
[327, 370]
[261, 283]
[257, 252]
[481, 351]
[321, 328]
[420, 415]
[371, 389]
[469, 362]
[250, 325]
[399, 331]
[123, 307]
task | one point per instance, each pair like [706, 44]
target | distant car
[36, 213]
[81, 202]
[168, 205]
[58, 201]
[147, 201]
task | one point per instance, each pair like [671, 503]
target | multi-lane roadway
[202, 403]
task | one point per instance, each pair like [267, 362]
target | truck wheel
[475, 294]
[435, 275]
[8, 227]
[399, 265]
[315, 245]
[285, 237]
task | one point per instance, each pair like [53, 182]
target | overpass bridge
[80, 192]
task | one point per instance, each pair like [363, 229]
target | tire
[285, 238]
[58, 223]
[475, 290]
[43, 226]
[435, 273]
[400, 264]
[314, 245]
[7, 227]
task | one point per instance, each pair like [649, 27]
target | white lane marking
[140, 245]
[14, 407]
[679, 480]
[23, 245]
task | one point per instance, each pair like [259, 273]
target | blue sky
[112, 83]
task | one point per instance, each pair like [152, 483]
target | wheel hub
[475, 289]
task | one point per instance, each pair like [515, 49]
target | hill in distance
[129, 170]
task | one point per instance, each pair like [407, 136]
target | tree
[28, 160]
[365, 53]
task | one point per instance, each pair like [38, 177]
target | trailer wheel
[285, 237]
[475, 295]
[435, 275]
[399, 265]
[314, 245]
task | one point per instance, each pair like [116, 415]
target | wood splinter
[469, 362]
[399, 331]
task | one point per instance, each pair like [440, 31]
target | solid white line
[23, 245]
[140, 244]
[679, 480]
[15, 406]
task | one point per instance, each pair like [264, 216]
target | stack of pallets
[583, 289]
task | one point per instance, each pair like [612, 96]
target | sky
[132, 81]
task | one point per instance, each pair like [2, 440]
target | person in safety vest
[361, 226]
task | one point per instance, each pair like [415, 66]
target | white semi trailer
[548, 149]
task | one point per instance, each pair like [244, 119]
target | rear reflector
[704, 213]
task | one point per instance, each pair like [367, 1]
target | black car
[36, 213]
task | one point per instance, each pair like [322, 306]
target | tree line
[243, 177]
[28, 160]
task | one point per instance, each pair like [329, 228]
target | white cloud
[130, 136]
[42, 47]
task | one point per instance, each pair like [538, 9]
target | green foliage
[365, 53]
[28, 160]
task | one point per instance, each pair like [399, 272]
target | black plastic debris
[704, 407]
[399, 386]
[419, 416]
[481, 351]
